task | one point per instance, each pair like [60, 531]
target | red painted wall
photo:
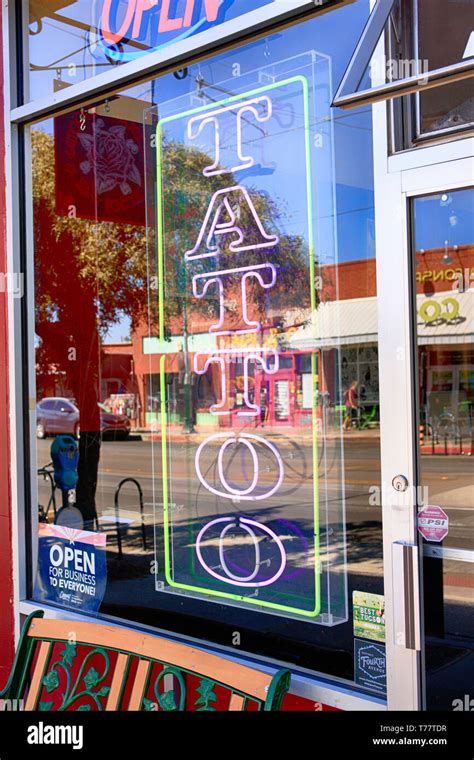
[6, 585]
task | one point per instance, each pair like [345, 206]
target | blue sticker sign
[370, 665]
[72, 567]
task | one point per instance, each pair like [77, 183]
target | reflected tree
[90, 273]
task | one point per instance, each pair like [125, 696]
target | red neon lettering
[136, 9]
[168, 24]
[141, 6]
[188, 14]
[110, 36]
[212, 8]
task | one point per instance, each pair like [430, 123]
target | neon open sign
[155, 23]
[235, 261]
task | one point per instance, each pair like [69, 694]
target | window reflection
[444, 258]
[128, 357]
[444, 37]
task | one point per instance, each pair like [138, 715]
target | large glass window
[206, 303]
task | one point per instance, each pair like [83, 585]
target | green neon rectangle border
[164, 432]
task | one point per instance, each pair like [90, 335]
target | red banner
[99, 170]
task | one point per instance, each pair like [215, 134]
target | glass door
[443, 285]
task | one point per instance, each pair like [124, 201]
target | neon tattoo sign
[241, 557]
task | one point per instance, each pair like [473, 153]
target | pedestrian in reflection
[263, 404]
[351, 403]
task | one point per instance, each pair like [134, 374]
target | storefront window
[206, 303]
[444, 257]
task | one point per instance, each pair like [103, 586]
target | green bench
[76, 665]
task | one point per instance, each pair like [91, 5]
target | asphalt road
[448, 480]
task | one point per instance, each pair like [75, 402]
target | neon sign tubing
[268, 241]
[243, 495]
[216, 278]
[211, 118]
[259, 526]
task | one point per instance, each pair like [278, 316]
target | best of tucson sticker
[72, 567]
[369, 615]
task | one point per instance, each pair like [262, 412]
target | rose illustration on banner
[99, 172]
[111, 157]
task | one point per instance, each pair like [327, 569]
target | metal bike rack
[117, 511]
[48, 474]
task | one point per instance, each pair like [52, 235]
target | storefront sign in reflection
[446, 310]
[234, 263]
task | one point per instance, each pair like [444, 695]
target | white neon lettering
[212, 228]
[202, 282]
[260, 108]
[220, 467]
[220, 408]
[259, 355]
[244, 494]
[254, 410]
[232, 220]
[222, 558]
[246, 525]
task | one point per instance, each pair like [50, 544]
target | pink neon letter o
[117, 36]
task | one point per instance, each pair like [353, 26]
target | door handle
[406, 596]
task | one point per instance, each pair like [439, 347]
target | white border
[307, 684]
[420, 170]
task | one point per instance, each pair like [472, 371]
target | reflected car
[56, 415]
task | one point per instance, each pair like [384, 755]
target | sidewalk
[280, 434]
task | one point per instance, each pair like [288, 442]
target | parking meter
[65, 456]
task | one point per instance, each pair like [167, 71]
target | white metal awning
[441, 318]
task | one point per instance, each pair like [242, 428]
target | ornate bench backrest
[75, 665]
